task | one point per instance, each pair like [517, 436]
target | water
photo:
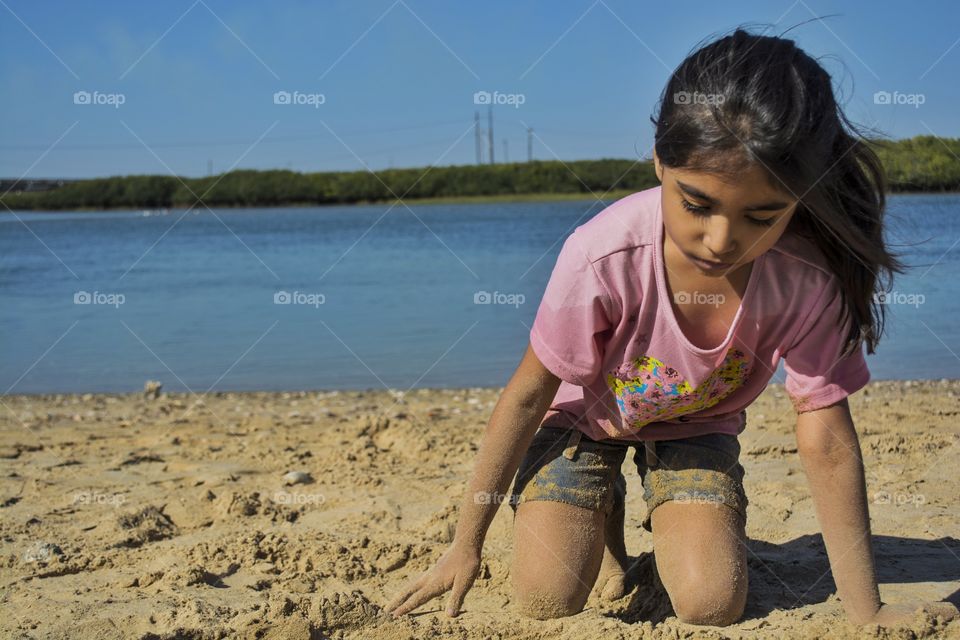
[198, 307]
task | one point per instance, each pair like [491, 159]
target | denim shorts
[564, 465]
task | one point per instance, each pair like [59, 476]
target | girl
[664, 318]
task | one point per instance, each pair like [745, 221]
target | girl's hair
[749, 99]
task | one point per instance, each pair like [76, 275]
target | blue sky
[197, 78]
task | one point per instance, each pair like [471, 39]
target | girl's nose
[718, 239]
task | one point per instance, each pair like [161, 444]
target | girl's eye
[693, 208]
[699, 210]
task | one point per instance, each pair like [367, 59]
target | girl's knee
[542, 598]
[543, 604]
[703, 604]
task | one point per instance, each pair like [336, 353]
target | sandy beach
[177, 516]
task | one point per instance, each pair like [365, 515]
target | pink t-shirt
[606, 328]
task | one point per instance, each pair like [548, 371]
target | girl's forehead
[752, 183]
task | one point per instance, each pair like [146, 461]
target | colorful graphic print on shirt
[647, 390]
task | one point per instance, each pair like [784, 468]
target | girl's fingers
[398, 600]
[460, 587]
[400, 597]
[423, 595]
[408, 591]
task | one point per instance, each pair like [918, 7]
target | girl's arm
[830, 454]
[515, 419]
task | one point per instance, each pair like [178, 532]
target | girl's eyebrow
[696, 193]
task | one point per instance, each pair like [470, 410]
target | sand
[129, 516]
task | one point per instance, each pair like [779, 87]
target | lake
[350, 297]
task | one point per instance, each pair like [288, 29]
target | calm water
[192, 302]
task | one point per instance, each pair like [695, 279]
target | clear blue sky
[398, 77]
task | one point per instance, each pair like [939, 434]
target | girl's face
[720, 226]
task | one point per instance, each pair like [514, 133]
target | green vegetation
[247, 188]
[924, 163]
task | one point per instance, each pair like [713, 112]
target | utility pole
[529, 144]
[490, 131]
[477, 138]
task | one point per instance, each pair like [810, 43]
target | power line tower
[477, 136]
[490, 131]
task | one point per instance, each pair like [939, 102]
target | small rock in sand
[151, 389]
[42, 552]
[297, 477]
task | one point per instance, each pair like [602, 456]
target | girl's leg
[700, 550]
[612, 580]
[557, 549]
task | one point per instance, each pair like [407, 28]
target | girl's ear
[657, 168]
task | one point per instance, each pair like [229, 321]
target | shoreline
[510, 197]
[302, 393]
[499, 198]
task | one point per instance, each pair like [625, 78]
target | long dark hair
[749, 99]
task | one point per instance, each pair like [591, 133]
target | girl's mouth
[709, 265]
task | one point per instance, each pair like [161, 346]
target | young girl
[664, 318]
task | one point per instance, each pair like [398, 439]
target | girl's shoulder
[626, 224]
[797, 255]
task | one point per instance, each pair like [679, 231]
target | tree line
[923, 163]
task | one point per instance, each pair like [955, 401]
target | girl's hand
[457, 568]
[892, 615]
